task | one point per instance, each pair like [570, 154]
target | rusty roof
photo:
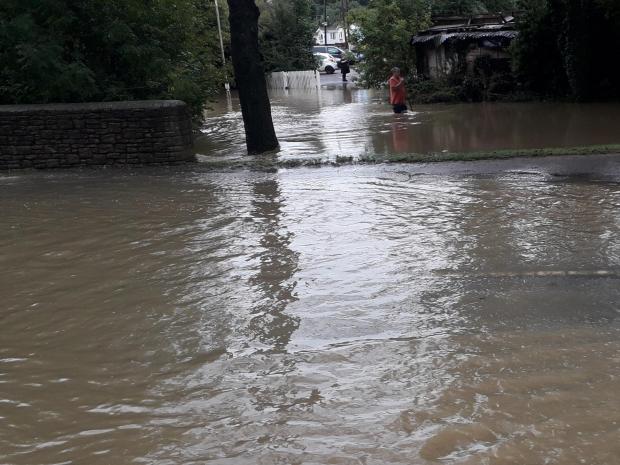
[454, 28]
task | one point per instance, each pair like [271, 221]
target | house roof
[456, 28]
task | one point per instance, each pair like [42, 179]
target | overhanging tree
[250, 77]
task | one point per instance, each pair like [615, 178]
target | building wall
[437, 62]
[87, 134]
[440, 62]
[334, 36]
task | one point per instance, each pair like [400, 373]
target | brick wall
[88, 134]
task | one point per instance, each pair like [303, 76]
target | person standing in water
[344, 69]
[398, 93]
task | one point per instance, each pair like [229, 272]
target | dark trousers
[344, 76]
[400, 108]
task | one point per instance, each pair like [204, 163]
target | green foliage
[101, 50]
[384, 30]
[334, 11]
[490, 80]
[563, 48]
[468, 7]
[457, 7]
[433, 91]
[349, 56]
[286, 35]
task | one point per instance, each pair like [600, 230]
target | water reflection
[270, 323]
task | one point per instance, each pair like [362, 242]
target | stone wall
[88, 134]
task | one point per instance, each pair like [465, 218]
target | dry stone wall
[90, 134]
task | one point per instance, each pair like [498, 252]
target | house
[453, 44]
[335, 36]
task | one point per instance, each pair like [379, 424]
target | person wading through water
[398, 93]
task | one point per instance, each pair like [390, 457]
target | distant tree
[383, 32]
[334, 11]
[250, 77]
[469, 7]
[562, 49]
[457, 7]
[286, 35]
[95, 50]
[497, 6]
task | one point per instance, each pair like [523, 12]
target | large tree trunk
[250, 77]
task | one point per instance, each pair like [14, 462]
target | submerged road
[604, 167]
[335, 79]
[393, 314]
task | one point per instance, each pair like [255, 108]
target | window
[332, 35]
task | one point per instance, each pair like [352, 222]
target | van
[336, 52]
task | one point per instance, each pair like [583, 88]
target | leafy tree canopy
[286, 35]
[466, 7]
[382, 35]
[563, 48]
[101, 50]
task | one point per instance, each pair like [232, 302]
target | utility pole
[219, 29]
[325, 19]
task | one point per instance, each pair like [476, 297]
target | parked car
[325, 63]
[338, 53]
[333, 51]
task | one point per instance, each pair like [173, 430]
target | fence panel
[294, 80]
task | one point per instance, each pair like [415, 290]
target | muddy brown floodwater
[354, 122]
[369, 315]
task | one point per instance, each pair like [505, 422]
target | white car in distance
[326, 63]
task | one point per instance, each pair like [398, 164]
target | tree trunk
[250, 77]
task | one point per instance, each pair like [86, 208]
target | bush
[472, 89]
[489, 81]
[432, 91]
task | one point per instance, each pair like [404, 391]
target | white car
[326, 63]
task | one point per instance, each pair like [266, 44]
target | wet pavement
[334, 81]
[458, 313]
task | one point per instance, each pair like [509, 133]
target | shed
[454, 43]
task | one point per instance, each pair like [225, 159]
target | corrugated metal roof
[466, 35]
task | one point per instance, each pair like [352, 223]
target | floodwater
[354, 122]
[354, 315]
[460, 314]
